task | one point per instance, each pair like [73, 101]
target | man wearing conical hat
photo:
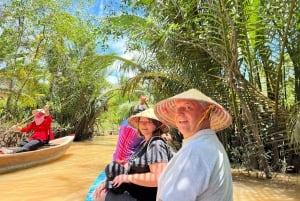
[200, 170]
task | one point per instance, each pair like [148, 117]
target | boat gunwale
[57, 148]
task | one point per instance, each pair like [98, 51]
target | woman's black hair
[157, 131]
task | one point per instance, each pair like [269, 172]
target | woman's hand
[121, 162]
[122, 178]
[100, 192]
[16, 128]
[148, 179]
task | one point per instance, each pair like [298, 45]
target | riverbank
[254, 187]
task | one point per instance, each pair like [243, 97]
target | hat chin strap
[205, 113]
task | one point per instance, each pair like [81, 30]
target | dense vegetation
[244, 54]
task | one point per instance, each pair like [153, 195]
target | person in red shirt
[41, 128]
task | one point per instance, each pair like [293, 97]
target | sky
[99, 9]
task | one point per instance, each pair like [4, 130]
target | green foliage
[243, 54]
[50, 57]
[240, 53]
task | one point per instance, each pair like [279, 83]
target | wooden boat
[55, 149]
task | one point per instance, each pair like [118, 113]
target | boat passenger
[139, 179]
[128, 138]
[42, 132]
[200, 170]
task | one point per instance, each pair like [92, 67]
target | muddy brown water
[69, 178]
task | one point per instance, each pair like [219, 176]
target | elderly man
[200, 170]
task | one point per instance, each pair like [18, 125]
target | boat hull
[56, 149]
[100, 178]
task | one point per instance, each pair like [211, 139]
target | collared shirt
[199, 171]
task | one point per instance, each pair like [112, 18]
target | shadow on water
[70, 177]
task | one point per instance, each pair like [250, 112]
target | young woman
[139, 183]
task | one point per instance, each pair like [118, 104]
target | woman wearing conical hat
[200, 170]
[41, 128]
[139, 179]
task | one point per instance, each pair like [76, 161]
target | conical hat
[39, 116]
[165, 110]
[149, 113]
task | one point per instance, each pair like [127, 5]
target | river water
[69, 178]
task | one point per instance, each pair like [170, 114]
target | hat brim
[165, 110]
[36, 111]
[41, 110]
[148, 113]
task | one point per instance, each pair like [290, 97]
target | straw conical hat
[149, 113]
[165, 110]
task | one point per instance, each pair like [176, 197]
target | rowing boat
[55, 149]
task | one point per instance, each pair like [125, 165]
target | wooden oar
[17, 124]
